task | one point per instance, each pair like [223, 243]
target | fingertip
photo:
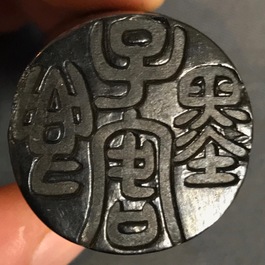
[153, 5]
[96, 5]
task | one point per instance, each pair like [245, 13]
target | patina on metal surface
[130, 134]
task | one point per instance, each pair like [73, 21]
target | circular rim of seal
[71, 119]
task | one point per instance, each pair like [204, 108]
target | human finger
[24, 239]
[48, 14]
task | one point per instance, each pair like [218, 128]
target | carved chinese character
[132, 228]
[191, 147]
[207, 90]
[136, 166]
[133, 164]
[133, 53]
[209, 93]
[211, 169]
[54, 109]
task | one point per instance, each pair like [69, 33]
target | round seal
[130, 133]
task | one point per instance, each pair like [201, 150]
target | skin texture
[48, 14]
[24, 239]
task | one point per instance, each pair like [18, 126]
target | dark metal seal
[130, 133]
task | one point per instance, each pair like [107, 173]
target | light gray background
[238, 26]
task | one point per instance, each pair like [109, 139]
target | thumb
[24, 239]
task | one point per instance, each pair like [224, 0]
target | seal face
[130, 134]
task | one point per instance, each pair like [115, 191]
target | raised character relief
[137, 165]
[212, 95]
[134, 169]
[153, 58]
[53, 111]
